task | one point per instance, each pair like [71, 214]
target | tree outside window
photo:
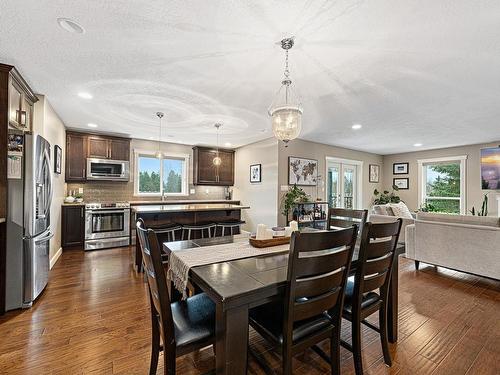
[442, 190]
[166, 176]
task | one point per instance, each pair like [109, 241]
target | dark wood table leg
[138, 254]
[392, 308]
[231, 330]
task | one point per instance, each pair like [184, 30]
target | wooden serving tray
[282, 240]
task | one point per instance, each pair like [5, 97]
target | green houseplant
[292, 196]
[386, 196]
[484, 208]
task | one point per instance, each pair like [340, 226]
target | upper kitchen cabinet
[108, 148]
[76, 157]
[206, 173]
[80, 146]
[20, 100]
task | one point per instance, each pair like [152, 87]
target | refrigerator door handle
[49, 198]
[45, 238]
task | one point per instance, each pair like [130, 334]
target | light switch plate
[192, 191]
[80, 190]
[284, 187]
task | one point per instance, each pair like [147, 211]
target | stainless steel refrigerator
[28, 224]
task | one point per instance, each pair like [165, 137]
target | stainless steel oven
[107, 225]
[108, 170]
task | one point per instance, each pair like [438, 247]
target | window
[442, 184]
[166, 176]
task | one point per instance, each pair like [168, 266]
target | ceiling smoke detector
[70, 26]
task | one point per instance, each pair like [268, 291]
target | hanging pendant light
[158, 153]
[217, 160]
[286, 109]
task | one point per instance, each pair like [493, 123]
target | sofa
[464, 243]
[384, 213]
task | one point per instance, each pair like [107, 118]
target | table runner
[180, 262]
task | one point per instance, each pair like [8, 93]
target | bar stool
[201, 228]
[167, 232]
[229, 225]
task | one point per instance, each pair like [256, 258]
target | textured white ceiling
[409, 71]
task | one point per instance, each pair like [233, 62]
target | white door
[342, 185]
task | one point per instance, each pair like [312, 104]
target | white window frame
[185, 174]
[422, 179]
[358, 182]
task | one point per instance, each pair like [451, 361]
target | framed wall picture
[490, 168]
[400, 168]
[374, 173]
[57, 159]
[256, 173]
[401, 183]
[303, 172]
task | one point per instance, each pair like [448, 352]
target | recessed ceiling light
[228, 144]
[85, 95]
[91, 125]
[356, 126]
[417, 144]
[70, 26]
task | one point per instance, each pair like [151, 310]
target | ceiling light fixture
[286, 109]
[356, 126]
[158, 153]
[70, 26]
[228, 144]
[85, 95]
[91, 125]
[217, 160]
[417, 144]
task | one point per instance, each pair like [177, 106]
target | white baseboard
[56, 257]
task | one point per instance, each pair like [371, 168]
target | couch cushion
[400, 210]
[382, 209]
[488, 221]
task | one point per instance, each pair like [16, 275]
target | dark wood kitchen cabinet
[72, 226]
[108, 148]
[206, 173]
[80, 146]
[76, 157]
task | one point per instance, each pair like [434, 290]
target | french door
[342, 185]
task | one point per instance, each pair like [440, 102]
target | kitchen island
[165, 215]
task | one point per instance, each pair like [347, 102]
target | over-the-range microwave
[108, 170]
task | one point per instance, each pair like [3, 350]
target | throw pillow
[401, 210]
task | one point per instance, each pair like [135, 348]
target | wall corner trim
[55, 258]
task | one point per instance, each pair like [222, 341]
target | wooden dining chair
[311, 312]
[368, 290]
[345, 218]
[177, 328]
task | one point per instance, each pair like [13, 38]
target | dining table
[236, 286]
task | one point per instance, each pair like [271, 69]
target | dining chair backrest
[345, 218]
[317, 272]
[157, 280]
[377, 252]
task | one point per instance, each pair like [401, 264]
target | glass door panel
[333, 188]
[342, 185]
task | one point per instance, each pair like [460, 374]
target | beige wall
[98, 191]
[318, 151]
[474, 194]
[48, 124]
[261, 197]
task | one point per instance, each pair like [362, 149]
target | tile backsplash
[124, 191]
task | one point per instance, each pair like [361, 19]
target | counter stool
[165, 232]
[229, 226]
[203, 229]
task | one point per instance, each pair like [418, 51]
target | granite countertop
[184, 201]
[74, 204]
[196, 207]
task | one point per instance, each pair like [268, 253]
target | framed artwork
[57, 159]
[302, 172]
[374, 173]
[490, 168]
[401, 183]
[256, 173]
[400, 168]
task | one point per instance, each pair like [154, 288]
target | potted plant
[291, 197]
[386, 196]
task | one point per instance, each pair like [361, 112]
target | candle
[261, 232]
[294, 226]
[269, 234]
[288, 231]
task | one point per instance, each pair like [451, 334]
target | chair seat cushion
[269, 319]
[194, 320]
[368, 299]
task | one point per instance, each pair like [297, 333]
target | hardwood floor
[93, 319]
